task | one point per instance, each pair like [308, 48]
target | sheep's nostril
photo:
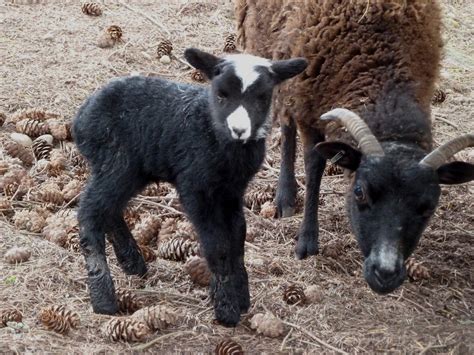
[239, 131]
[385, 275]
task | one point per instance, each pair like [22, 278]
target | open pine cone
[59, 319]
[439, 97]
[16, 150]
[17, 255]
[146, 231]
[35, 113]
[156, 317]
[41, 148]
[267, 325]
[198, 270]
[228, 347]
[127, 301]
[178, 249]
[32, 128]
[148, 254]
[60, 130]
[259, 195]
[125, 329]
[48, 192]
[268, 210]
[115, 33]
[91, 9]
[9, 315]
[165, 47]
[416, 271]
[229, 45]
[198, 76]
[294, 294]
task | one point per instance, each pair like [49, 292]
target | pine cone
[31, 221]
[267, 325]
[132, 216]
[152, 189]
[73, 243]
[35, 113]
[228, 347]
[91, 9]
[18, 151]
[198, 270]
[294, 294]
[275, 268]
[185, 229]
[229, 45]
[59, 226]
[156, 317]
[165, 47]
[127, 301]
[178, 249]
[416, 271]
[313, 294]
[125, 329]
[268, 210]
[115, 32]
[168, 229]
[60, 130]
[198, 76]
[41, 148]
[59, 319]
[17, 255]
[148, 253]
[258, 196]
[9, 315]
[57, 163]
[3, 118]
[72, 189]
[439, 97]
[32, 128]
[146, 231]
[48, 192]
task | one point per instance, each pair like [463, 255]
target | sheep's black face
[390, 203]
[241, 91]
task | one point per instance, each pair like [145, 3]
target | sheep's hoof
[135, 267]
[105, 308]
[286, 212]
[306, 245]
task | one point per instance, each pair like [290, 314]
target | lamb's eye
[359, 194]
[221, 96]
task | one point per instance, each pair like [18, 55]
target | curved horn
[369, 145]
[440, 155]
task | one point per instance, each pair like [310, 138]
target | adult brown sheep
[373, 65]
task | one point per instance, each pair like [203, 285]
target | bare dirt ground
[49, 59]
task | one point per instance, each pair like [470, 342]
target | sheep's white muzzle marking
[239, 124]
[387, 257]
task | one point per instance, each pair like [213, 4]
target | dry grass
[49, 59]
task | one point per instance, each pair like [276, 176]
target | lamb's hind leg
[314, 165]
[100, 213]
[286, 191]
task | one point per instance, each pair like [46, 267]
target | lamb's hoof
[105, 307]
[138, 267]
[227, 317]
[306, 245]
[286, 212]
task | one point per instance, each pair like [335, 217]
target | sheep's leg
[286, 191]
[100, 213]
[218, 221]
[314, 168]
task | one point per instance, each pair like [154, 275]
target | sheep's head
[394, 192]
[241, 90]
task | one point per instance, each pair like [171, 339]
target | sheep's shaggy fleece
[356, 48]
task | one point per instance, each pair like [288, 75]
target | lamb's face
[241, 97]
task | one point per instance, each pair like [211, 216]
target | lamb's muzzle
[369, 145]
[441, 155]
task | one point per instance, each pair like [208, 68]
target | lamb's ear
[342, 154]
[286, 69]
[456, 172]
[203, 61]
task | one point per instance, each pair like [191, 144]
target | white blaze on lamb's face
[245, 67]
[388, 257]
[239, 124]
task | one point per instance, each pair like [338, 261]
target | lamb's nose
[239, 131]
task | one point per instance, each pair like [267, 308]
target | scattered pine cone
[267, 325]
[229, 45]
[258, 196]
[73, 243]
[91, 9]
[72, 189]
[294, 294]
[31, 221]
[198, 270]
[48, 192]
[168, 229]
[59, 319]
[228, 347]
[178, 249]
[148, 253]
[115, 32]
[60, 130]
[18, 151]
[32, 128]
[127, 301]
[268, 210]
[165, 47]
[439, 97]
[9, 315]
[198, 76]
[146, 231]
[132, 216]
[185, 229]
[35, 113]
[41, 148]
[314, 294]
[156, 317]
[275, 268]
[125, 329]
[59, 226]
[17, 255]
[416, 271]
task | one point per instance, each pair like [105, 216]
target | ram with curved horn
[372, 70]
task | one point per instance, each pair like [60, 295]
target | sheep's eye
[221, 96]
[359, 194]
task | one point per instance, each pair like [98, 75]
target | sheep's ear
[340, 153]
[203, 61]
[456, 172]
[286, 69]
